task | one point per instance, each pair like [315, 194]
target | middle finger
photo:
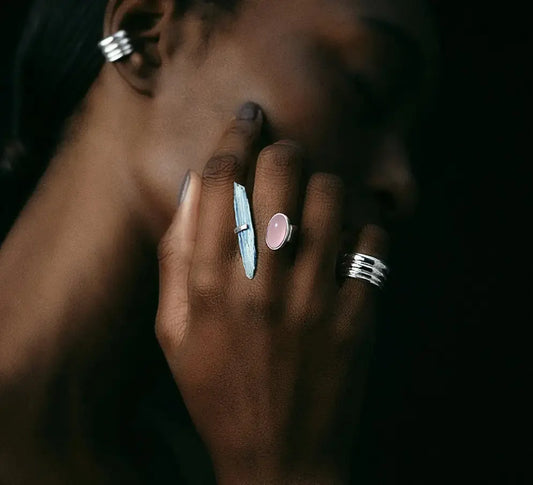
[276, 190]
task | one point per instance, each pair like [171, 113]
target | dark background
[449, 397]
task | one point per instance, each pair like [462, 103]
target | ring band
[364, 267]
[371, 261]
[241, 228]
[279, 231]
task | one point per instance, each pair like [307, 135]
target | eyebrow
[418, 61]
[367, 87]
[399, 33]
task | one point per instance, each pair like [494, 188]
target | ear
[392, 183]
[145, 21]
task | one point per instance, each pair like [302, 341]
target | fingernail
[184, 187]
[288, 142]
[248, 112]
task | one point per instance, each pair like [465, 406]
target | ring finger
[318, 244]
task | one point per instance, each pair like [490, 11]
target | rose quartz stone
[277, 231]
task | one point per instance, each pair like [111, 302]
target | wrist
[270, 478]
[269, 472]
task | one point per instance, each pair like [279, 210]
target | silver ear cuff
[116, 46]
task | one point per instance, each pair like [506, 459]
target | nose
[391, 180]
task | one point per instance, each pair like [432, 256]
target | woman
[338, 83]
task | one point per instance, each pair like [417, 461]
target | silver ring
[116, 46]
[279, 231]
[243, 227]
[371, 261]
[364, 267]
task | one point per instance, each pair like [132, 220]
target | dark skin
[66, 285]
[267, 367]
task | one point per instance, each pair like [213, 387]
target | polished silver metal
[369, 268]
[365, 267]
[242, 228]
[371, 260]
[292, 232]
[116, 46]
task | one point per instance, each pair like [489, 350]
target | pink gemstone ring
[279, 232]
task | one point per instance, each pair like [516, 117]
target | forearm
[272, 476]
[59, 393]
[273, 466]
[47, 417]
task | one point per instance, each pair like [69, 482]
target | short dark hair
[56, 62]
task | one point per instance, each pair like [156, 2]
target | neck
[70, 264]
[78, 285]
[95, 219]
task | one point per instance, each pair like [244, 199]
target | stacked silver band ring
[364, 267]
[116, 46]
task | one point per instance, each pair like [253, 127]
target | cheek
[297, 102]
[291, 87]
[308, 103]
[306, 97]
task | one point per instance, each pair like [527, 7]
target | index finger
[229, 164]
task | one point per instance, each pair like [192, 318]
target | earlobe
[133, 29]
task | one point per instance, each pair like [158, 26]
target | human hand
[271, 369]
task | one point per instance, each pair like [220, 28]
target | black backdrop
[449, 400]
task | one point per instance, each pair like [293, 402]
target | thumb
[175, 254]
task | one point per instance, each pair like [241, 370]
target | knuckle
[166, 250]
[324, 185]
[239, 129]
[310, 306]
[300, 318]
[306, 315]
[342, 345]
[206, 295]
[205, 286]
[164, 332]
[278, 156]
[298, 312]
[345, 337]
[262, 307]
[220, 169]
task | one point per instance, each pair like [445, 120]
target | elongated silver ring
[279, 231]
[116, 46]
[364, 267]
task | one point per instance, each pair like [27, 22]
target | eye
[372, 108]
[224, 4]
